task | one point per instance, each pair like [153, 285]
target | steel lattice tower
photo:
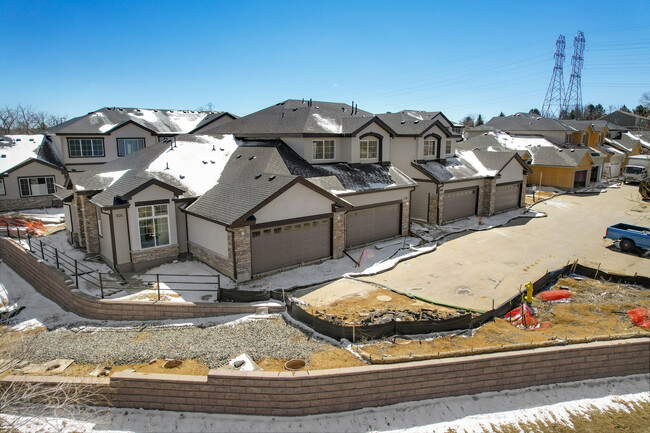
[553, 100]
[573, 95]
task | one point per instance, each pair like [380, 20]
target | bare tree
[25, 120]
[645, 100]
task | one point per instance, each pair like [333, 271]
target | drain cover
[415, 289]
[463, 291]
[384, 298]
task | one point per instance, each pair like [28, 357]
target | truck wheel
[627, 245]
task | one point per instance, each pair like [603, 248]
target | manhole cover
[384, 298]
[415, 289]
[463, 291]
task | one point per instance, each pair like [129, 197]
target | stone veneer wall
[338, 234]
[406, 217]
[26, 203]
[58, 287]
[435, 217]
[486, 196]
[158, 253]
[89, 222]
[243, 259]
[325, 391]
[523, 192]
[222, 264]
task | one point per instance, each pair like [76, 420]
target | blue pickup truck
[629, 237]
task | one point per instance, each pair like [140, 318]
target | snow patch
[114, 175]
[329, 125]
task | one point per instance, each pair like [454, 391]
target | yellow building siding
[559, 177]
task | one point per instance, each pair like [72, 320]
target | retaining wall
[325, 391]
[58, 287]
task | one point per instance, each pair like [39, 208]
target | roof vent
[560, 150]
[181, 176]
[18, 139]
[214, 148]
[572, 150]
[403, 122]
[238, 156]
[204, 162]
[155, 111]
[221, 149]
[250, 158]
[3, 156]
[271, 177]
[211, 162]
[295, 108]
[167, 166]
[416, 121]
[317, 106]
[31, 139]
[138, 110]
[258, 175]
[283, 114]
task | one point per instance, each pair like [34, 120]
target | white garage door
[372, 224]
[420, 204]
[459, 204]
[507, 197]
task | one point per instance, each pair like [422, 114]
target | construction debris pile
[33, 227]
[382, 316]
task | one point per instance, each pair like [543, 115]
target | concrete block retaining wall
[57, 286]
[325, 391]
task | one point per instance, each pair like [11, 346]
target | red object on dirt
[34, 227]
[639, 316]
[554, 295]
[522, 317]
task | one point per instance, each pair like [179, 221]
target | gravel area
[259, 338]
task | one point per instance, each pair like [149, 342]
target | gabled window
[85, 147]
[430, 147]
[126, 146]
[368, 149]
[323, 149]
[2, 187]
[34, 186]
[153, 224]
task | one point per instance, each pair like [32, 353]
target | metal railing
[105, 282]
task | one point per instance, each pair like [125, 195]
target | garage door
[507, 197]
[372, 224]
[290, 244]
[420, 204]
[580, 179]
[459, 204]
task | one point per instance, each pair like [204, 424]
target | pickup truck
[629, 237]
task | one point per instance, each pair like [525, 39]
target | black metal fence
[107, 283]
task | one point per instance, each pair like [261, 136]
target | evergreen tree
[502, 115]
[479, 121]
[535, 111]
[641, 111]
[625, 109]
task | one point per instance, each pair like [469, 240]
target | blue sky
[69, 58]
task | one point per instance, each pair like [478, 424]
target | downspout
[110, 221]
[234, 254]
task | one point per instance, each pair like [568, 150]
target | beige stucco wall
[297, 202]
[122, 235]
[105, 245]
[12, 188]
[110, 146]
[378, 197]
[151, 193]
[512, 172]
[420, 199]
[356, 143]
[209, 235]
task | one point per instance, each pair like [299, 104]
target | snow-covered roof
[465, 166]
[18, 149]
[106, 119]
[191, 164]
[645, 142]
[522, 142]
[547, 156]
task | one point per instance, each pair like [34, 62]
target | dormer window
[368, 149]
[323, 149]
[448, 147]
[430, 147]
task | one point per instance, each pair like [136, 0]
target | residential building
[113, 132]
[630, 121]
[30, 170]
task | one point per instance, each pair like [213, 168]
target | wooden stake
[598, 269]
[353, 333]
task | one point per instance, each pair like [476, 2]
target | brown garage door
[290, 244]
[459, 204]
[372, 224]
[507, 197]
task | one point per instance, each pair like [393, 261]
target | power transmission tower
[553, 100]
[573, 96]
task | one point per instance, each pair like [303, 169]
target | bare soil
[377, 305]
[596, 309]
[539, 195]
[323, 360]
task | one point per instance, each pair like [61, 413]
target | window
[2, 187]
[85, 147]
[448, 147]
[153, 222]
[126, 146]
[430, 147]
[323, 149]
[99, 223]
[33, 186]
[457, 129]
[368, 149]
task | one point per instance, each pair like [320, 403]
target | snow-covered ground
[477, 413]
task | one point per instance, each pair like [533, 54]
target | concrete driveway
[480, 268]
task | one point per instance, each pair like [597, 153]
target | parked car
[629, 237]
